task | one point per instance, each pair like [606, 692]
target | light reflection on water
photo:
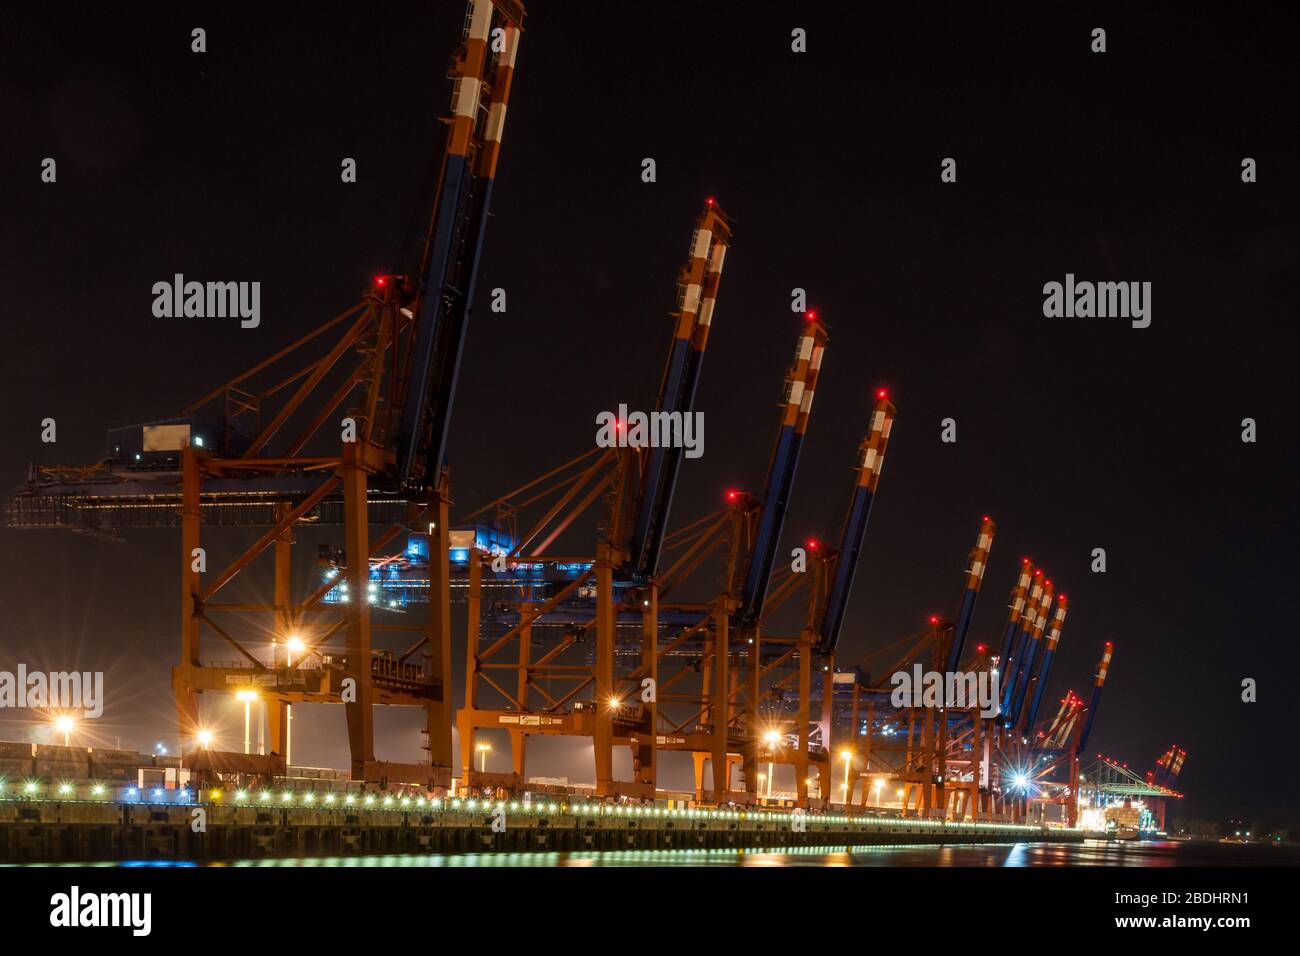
[1090, 853]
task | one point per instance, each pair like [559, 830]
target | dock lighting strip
[31, 790]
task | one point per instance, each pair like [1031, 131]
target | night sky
[1073, 434]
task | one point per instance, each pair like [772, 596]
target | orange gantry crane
[346, 426]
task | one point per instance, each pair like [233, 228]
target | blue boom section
[846, 566]
[1096, 698]
[1043, 670]
[776, 496]
[660, 469]
[1011, 668]
[451, 270]
[963, 625]
[1087, 721]
[429, 323]
[1024, 675]
[1008, 639]
[672, 464]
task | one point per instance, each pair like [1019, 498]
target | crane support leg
[720, 710]
[439, 713]
[603, 734]
[359, 709]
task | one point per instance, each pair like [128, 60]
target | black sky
[1073, 434]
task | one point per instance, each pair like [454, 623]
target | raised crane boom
[870, 464]
[481, 72]
[1011, 664]
[801, 385]
[979, 559]
[1016, 607]
[1025, 667]
[1095, 700]
[1049, 650]
[697, 290]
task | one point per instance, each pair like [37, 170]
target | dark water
[1087, 854]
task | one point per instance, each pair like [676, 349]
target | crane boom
[481, 72]
[870, 462]
[1011, 664]
[1016, 607]
[801, 384]
[1049, 650]
[979, 559]
[1025, 667]
[697, 286]
[1095, 700]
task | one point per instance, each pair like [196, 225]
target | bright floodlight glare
[246, 695]
[64, 724]
[771, 737]
[1020, 780]
[204, 737]
[295, 643]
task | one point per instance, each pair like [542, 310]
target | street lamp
[247, 696]
[204, 738]
[847, 756]
[482, 760]
[293, 645]
[65, 725]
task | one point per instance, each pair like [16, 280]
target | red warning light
[933, 619]
[986, 518]
[1038, 572]
[381, 280]
[812, 545]
[882, 393]
[731, 495]
[709, 201]
[810, 316]
[980, 648]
